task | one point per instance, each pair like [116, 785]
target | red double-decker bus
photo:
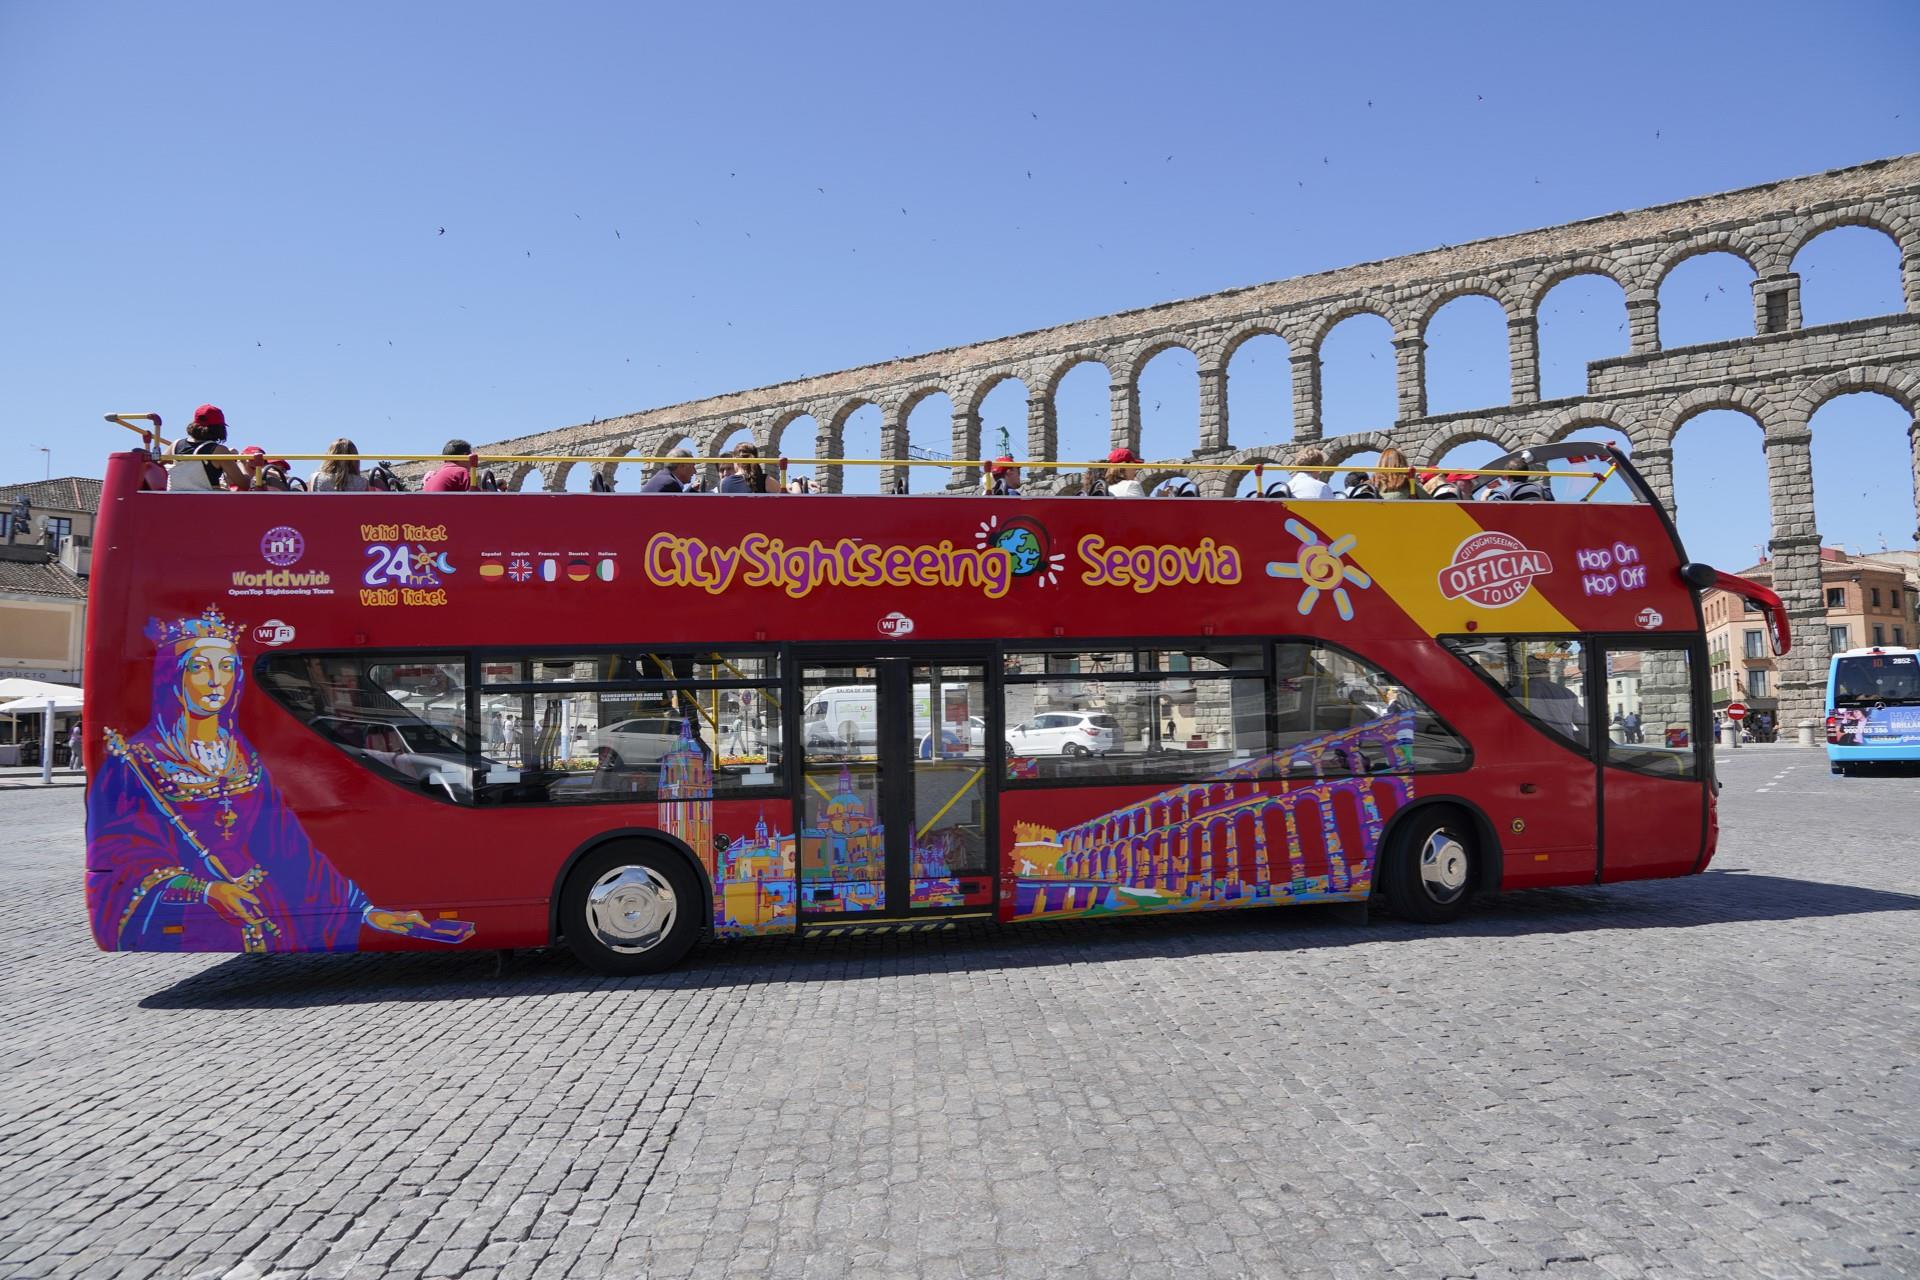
[381, 721]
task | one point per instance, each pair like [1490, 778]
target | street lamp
[49, 461]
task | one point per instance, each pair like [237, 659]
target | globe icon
[1023, 547]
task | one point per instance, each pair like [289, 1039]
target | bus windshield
[1892, 679]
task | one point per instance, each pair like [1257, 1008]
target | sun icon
[1027, 544]
[1319, 566]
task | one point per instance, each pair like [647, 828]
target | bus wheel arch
[636, 846]
[1395, 876]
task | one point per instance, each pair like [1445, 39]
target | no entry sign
[1736, 711]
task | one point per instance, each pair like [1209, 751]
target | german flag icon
[579, 570]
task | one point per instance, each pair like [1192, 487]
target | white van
[845, 716]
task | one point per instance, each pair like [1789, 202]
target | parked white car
[639, 743]
[1064, 733]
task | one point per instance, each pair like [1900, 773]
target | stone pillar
[1655, 465]
[1643, 324]
[1043, 442]
[1913, 450]
[1910, 281]
[828, 477]
[1123, 395]
[1523, 357]
[1213, 410]
[1776, 303]
[1795, 550]
[1306, 395]
[893, 444]
[1410, 377]
[966, 445]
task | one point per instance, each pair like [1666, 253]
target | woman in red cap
[1124, 481]
[1003, 478]
[207, 433]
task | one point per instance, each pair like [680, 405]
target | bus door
[895, 793]
[1652, 761]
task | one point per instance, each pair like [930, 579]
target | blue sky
[642, 205]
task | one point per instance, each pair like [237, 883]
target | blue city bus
[1873, 707]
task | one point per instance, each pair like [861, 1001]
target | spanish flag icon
[492, 569]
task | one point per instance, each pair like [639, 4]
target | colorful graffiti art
[1263, 831]
[191, 847]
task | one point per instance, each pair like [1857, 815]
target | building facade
[1866, 600]
[46, 550]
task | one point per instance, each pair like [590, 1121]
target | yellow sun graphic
[1319, 566]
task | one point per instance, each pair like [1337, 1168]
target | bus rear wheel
[631, 908]
[1432, 867]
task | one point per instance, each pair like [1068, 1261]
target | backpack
[380, 477]
[186, 448]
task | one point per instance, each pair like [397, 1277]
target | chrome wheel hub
[630, 909]
[1443, 866]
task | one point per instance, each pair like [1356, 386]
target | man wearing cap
[207, 433]
[1123, 481]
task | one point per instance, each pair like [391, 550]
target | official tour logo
[282, 546]
[273, 633]
[1492, 569]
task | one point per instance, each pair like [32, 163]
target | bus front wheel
[631, 908]
[1432, 867]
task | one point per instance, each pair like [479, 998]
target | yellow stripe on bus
[1404, 547]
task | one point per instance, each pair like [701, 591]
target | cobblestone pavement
[1712, 1076]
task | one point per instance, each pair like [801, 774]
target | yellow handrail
[1172, 464]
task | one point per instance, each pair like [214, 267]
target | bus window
[404, 718]
[1543, 676]
[1351, 712]
[1148, 714]
[629, 735]
[1650, 711]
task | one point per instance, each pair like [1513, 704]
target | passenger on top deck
[1308, 483]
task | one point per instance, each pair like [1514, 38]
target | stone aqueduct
[1779, 376]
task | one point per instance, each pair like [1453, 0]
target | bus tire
[1432, 866]
[631, 907]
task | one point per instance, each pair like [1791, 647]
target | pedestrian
[341, 472]
[1393, 477]
[1305, 481]
[1632, 726]
[207, 433]
[73, 745]
[455, 475]
[745, 474]
[674, 476]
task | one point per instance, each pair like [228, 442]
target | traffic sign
[1736, 711]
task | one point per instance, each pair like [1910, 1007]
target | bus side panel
[1654, 826]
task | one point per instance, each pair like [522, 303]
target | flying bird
[443, 231]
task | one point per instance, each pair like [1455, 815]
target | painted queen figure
[190, 846]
